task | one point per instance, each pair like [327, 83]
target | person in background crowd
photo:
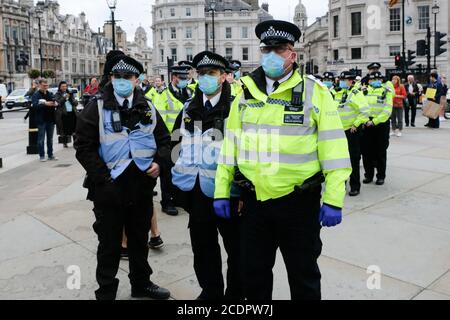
[45, 105]
[156, 92]
[92, 88]
[30, 92]
[3, 95]
[328, 80]
[443, 97]
[414, 90]
[65, 114]
[435, 83]
[399, 105]
[146, 87]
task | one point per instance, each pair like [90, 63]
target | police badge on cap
[274, 33]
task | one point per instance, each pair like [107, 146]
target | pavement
[394, 242]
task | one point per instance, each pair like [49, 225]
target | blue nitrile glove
[223, 209]
[330, 216]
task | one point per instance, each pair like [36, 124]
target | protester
[443, 97]
[414, 90]
[399, 105]
[435, 84]
[93, 88]
[44, 103]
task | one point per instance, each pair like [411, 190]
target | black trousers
[167, 188]
[411, 107]
[133, 212]
[354, 146]
[204, 228]
[291, 224]
[374, 146]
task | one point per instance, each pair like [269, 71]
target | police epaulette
[311, 77]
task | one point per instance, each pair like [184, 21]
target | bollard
[32, 133]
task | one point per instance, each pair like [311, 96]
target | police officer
[200, 127]
[354, 112]
[192, 84]
[285, 136]
[121, 141]
[234, 77]
[376, 132]
[374, 67]
[328, 80]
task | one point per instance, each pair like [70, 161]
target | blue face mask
[343, 84]
[273, 65]
[376, 84]
[208, 84]
[182, 84]
[141, 78]
[123, 87]
[237, 75]
[328, 84]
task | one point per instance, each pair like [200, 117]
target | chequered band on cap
[125, 68]
[277, 33]
[207, 61]
[183, 64]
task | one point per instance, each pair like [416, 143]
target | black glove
[107, 194]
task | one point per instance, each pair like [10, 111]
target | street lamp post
[311, 71]
[39, 13]
[212, 8]
[112, 6]
[435, 10]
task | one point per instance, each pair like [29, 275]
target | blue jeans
[46, 128]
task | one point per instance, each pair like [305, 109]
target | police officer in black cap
[192, 82]
[328, 80]
[121, 141]
[200, 126]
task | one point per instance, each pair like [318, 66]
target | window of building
[6, 31]
[395, 19]
[424, 17]
[356, 53]
[66, 51]
[161, 32]
[172, 12]
[82, 48]
[189, 54]
[173, 33]
[229, 53]
[244, 34]
[74, 65]
[394, 50]
[161, 52]
[356, 24]
[160, 13]
[336, 26]
[188, 12]
[173, 52]
[188, 33]
[82, 66]
[74, 48]
[245, 54]
[335, 55]
[66, 66]
[228, 33]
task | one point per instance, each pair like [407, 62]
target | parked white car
[17, 99]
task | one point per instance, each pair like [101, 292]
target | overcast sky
[138, 12]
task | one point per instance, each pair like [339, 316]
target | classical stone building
[15, 50]
[140, 50]
[181, 29]
[361, 32]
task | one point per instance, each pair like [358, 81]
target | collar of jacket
[258, 77]
[110, 101]
[196, 108]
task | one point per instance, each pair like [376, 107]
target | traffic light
[411, 58]
[421, 48]
[438, 50]
[399, 61]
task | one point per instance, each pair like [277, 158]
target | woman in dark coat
[66, 117]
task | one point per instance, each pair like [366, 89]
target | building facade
[361, 32]
[181, 29]
[140, 50]
[15, 43]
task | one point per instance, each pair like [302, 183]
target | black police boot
[368, 180]
[354, 193]
[380, 182]
[151, 291]
[170, 210]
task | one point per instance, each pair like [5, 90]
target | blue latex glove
[223, 209]
[330, 217]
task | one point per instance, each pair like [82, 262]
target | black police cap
[374, 65]
[348, 75]
[274, 33]
[185, 63]
[207, 59]
[376, 75]
[236, 64]
[329, 76]
[127, 65]
[181, 71]
[109, 60]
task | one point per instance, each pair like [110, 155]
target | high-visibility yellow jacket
[236, 88]
[380, 102]
[352, 106]
[154, 95]
[278, 146]
[193, 85]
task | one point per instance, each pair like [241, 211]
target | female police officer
[121, 141]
